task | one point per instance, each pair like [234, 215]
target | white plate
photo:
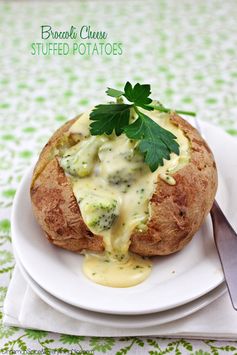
[122, 321]
[175, 280]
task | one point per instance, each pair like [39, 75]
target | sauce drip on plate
[112, 272]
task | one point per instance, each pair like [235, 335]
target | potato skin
[180, 209]
[177, 211]
[54, 204]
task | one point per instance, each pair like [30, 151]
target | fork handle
[226, 244]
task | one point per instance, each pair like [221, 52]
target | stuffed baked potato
[176, 211]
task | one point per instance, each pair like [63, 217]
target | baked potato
[176, 210]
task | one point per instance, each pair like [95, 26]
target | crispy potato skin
[177, 211]
[54, 204]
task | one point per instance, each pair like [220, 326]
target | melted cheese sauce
[113, 187]
[108, 271]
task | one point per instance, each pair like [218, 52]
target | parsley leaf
[114, 93]
[108, 118]
[138, 94]
[156, 143]
[154, 152]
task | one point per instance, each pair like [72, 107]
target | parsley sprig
[155, 142]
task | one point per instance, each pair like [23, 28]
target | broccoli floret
[121, 177]
[129, 162]
[79, 160]
[124, 173]
[99, 212]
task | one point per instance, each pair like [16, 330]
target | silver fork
[226, 243]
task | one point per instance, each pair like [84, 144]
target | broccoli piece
[121, 177]
[79, 160]
[125, 172]
[99, 212]
[129, 162]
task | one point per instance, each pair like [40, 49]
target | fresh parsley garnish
[114, 92]
[139, 95]
[155, 142]
[108, 118]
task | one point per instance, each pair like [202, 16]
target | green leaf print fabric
[186, 50]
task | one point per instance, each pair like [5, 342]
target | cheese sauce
[113, 187]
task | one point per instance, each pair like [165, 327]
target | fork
[226, 244]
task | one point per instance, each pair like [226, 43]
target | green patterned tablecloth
[186, 49]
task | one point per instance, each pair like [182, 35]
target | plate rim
[58, 305]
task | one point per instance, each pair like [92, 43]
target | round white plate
[122, 321]
[175, 280]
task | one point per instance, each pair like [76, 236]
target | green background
[186, 50]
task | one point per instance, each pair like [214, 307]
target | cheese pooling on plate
[113, 187]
